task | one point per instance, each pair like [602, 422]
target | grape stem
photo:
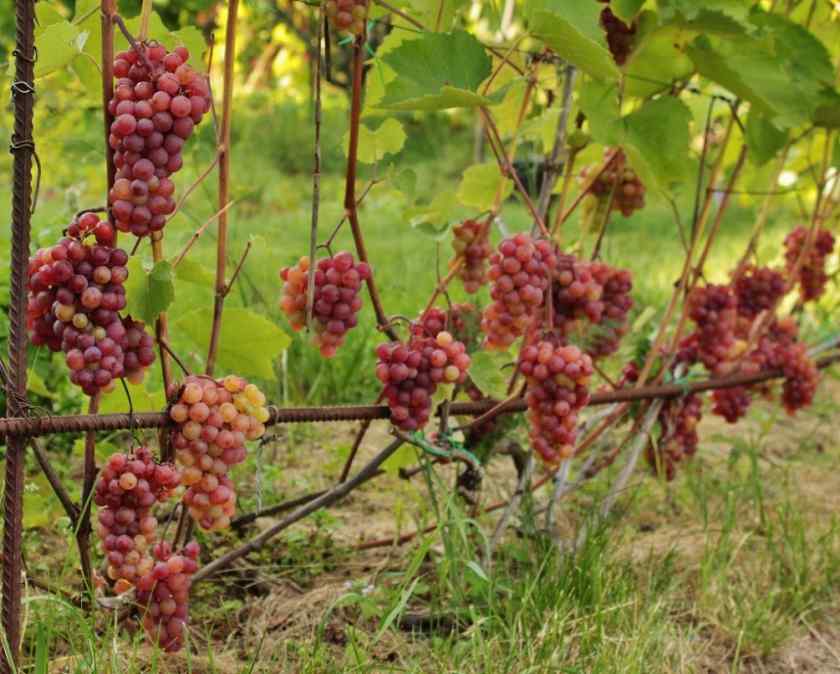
[108, 8]
[562, 215]
[350, 205]
[224, 183]
[316, 176]
[559, 148]
[197, 233]
[83, 528]
[70, 508]
[162, 327]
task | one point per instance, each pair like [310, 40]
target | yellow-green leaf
[480, 184]
[375, 144]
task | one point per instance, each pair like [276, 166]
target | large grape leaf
[148, 291]
[763, 139]
[738, 9]
[573, 31]
[436, 72]
[480, 184]
[486, 371]
[626, 10]
[58, 44]
[248, 342]
[375, 144]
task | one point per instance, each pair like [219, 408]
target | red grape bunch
[163, 593]
[558, 378]
[75, 295]
[731, 403]
[757, 289]
[214, 418]
[128, 487]
[617, 285]
[576, 293]
[347, 15]
[520, 271]
[713, 310]
[629, 190]
[338, 280]
[472, 242]
[411, 372]
[812, 276]
[463, 321]
[619, 35]
[678, 440]
[158, 99]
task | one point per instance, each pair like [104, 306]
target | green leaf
[47, 14]
[87, 70]
[194, 272]
[389, 138]
[248, 342]
[657, 142]
[657, 61]
[404, 457]
[480, 184]
[148, 292]
[599, 102]
[36, 384]
[431, 79]
[572, 30]
[437, 213]
[406, 182]
[436, 15]
[487, 373]
[626, 10]
[763, 139]
[57, 46]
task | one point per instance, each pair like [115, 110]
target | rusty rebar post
[22, 147]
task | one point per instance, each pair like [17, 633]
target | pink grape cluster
[558, 378]
[731, 403]
[347, 15]
[463, 321]
[163, 594]
[471, 242]
[678, 440]
[128, 487]
[158, 99]
[617, 301]
[411, 372]
[811, 276]
[757, 289]
[214, 418]
[336, 302]
[622, 182]
[520, 271]
[75, 294]
[713, 309]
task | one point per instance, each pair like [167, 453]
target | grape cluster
[75, 294]
[158, 99]
[520, 271]
[472, 243]
[462, 321]
[812, 276]
[731, 403]
[617, 285]
[163, 593]
[214, 418]
[629, 193]
[411, 372]
[678, 440]
[620, 36]
[128, 487]
[757, 289]
[713, 309]
[336, 302]
[557, 377]
[801, 378]
[347, 15]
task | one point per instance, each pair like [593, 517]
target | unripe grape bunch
[336, 302]
[412, 371]
[347, 16]
[471, 242]
[163, 594]
[127, 488]
[520, 271]
[214, 418]
[158, 99]
[558, 377]
[75, 294]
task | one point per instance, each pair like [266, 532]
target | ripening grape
[757, 289]
[75, 295]
[412, 371]
[812, 277]
[158, 99]
[347, 16]
[678, 438]
[617, 285]
[713, 310]
[629, 190]
[213, 419]
[731, 403]
[336, 302]
[127, 488]
[472, 243]
[520, 271]
[558, 378]
[163, 594]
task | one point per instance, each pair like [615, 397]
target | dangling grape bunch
[347, 16]
[471, 242]
[158, 99]
[621, 181]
